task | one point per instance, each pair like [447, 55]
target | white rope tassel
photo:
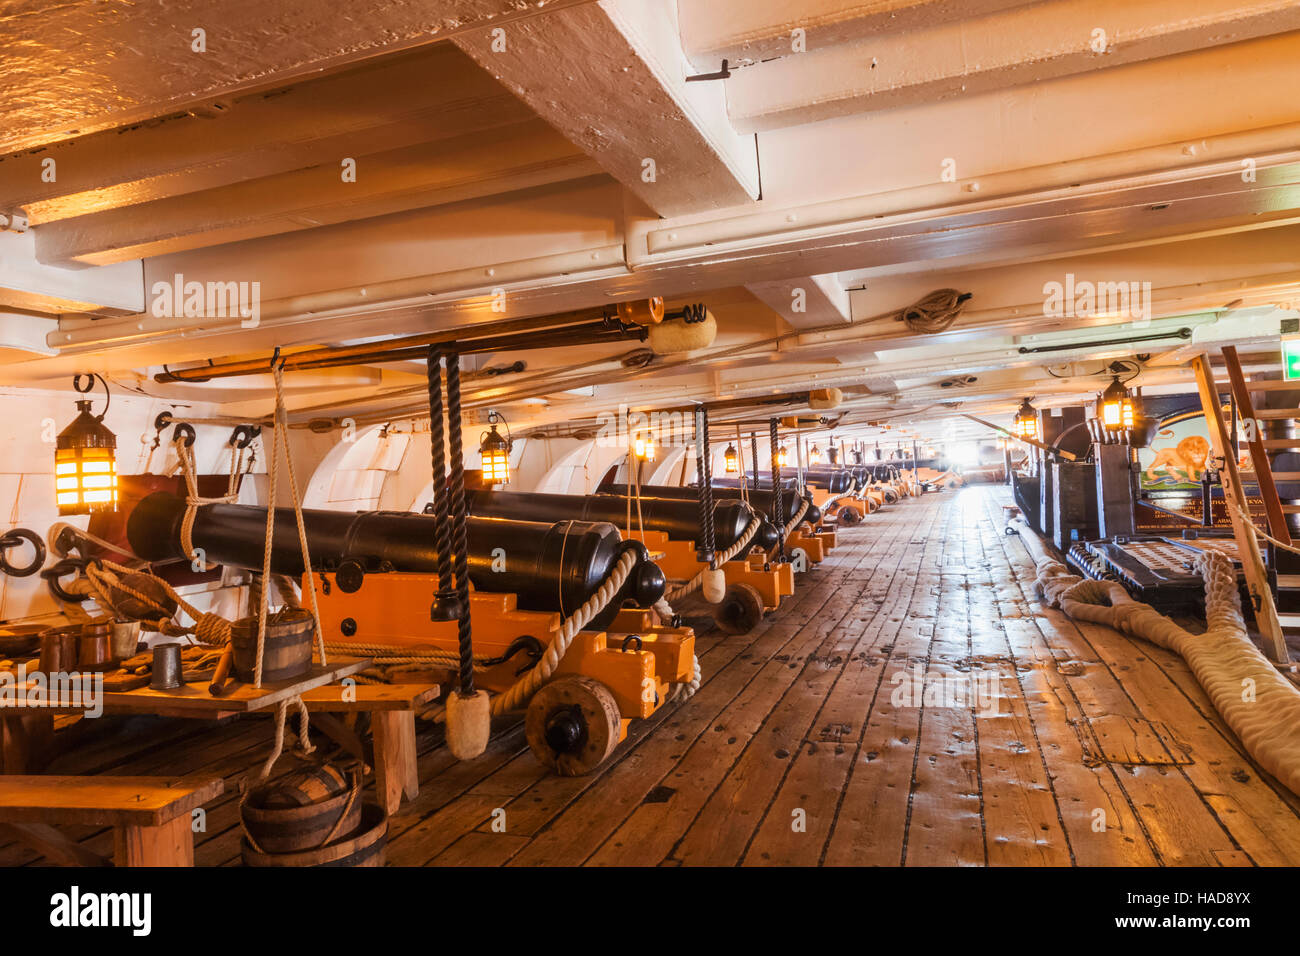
[695, 583]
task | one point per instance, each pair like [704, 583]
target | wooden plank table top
[193, 699]
[103, 800]
[370, 697]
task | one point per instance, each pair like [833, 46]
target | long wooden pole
[1029, 441]
[1243, 529]
[359, 354]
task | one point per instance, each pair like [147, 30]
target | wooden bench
[392, 710]
[150, 815]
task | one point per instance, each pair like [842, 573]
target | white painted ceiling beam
[78, 67]
[427, 174]
[611, 77]
[747, 31]
[444, 95]
[1015, 47]
[806, 301]
[34, 286]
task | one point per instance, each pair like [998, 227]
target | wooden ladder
[1243, 528]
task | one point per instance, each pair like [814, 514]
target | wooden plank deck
[913, 704]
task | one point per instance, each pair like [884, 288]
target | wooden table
[23, 728]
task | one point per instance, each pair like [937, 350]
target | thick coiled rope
[459, 532]
[1260, 705]
[778, 490]
[794, 522]
[105, 577]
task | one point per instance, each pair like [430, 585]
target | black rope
[705, 550]
[778, 495]
[443, 609]
[753, 454]
[460, 543]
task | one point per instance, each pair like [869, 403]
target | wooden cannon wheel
[849, 516]
[572, 724]
[741, 609]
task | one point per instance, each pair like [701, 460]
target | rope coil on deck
[1260, 705]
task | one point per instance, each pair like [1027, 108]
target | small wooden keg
[289, 635]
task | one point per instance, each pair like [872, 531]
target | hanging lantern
[494, 451]
[732, 462]
[782, 457]
[1115, 409]
[814, 455]
[1026, 422]
[643, 447]
[85, 459]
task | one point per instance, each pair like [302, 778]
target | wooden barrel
[364, 847]
[94, 647]
[289, 636]
[277, 824]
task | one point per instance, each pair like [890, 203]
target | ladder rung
[1281, 443]
[1276, 385]
[1288, 580]
[1277, 476]
[1291, 509]
[1277, 413]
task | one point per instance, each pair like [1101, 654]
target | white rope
[1259, 532]
[685, 691]
[1260, 705]
[208, 628]
[695, 583]
[185, 457]
[524, 688]
[280, 441]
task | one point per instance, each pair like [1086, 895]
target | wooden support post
[395, 757]
[168, 844]
[1243, 528]
[26, 741]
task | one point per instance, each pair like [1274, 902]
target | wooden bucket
[364, 847]
[289, 636]
[280, 821]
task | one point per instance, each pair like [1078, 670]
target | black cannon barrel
[836, 482]
[680, 519]
[550, 566]
[760, 499]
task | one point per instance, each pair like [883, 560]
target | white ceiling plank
[1016, 47]
[612, 78]
[747, 31]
